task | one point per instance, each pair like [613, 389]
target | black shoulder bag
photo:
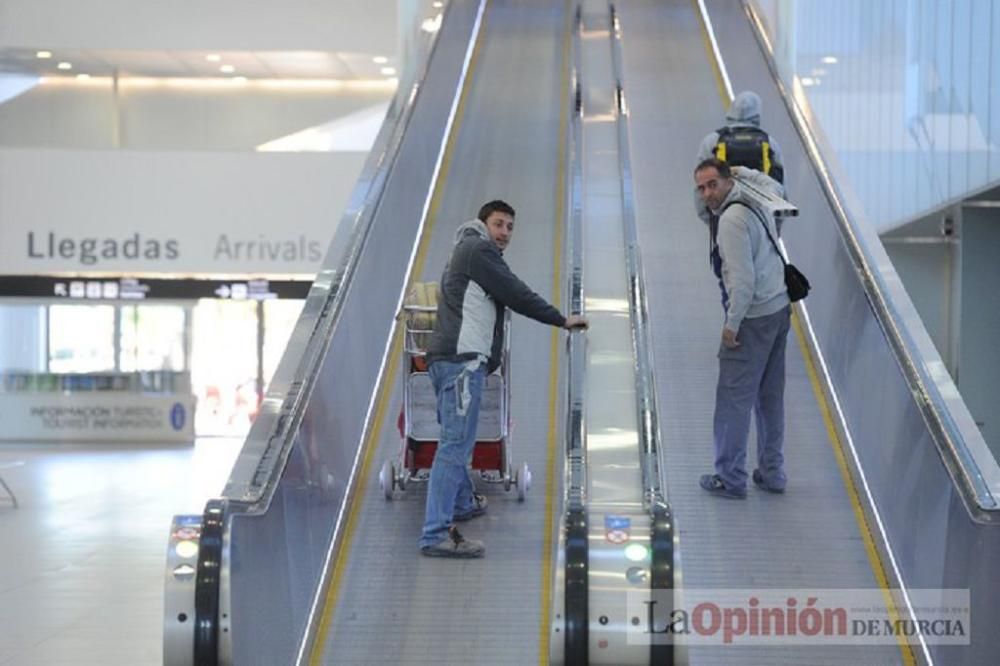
[796, 283]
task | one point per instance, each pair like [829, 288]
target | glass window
[979, 94]
[152, 337]
[224, 366]
[993, 129]
[81, 338]
[961, 98]
[279, 320]
[901, 89]
[23, 338]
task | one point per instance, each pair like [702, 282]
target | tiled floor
[82, 557]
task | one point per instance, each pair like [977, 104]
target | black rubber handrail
[577, 593]
[662, 574]
[206, 595]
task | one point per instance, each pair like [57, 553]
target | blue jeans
[752, 377]
[459, 390]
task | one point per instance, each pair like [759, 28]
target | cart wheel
[523, 481]
[402, 478]
[507, 479]
[387, 479]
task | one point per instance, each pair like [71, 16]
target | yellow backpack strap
[720, 142]
[767, 157]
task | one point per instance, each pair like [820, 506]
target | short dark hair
[495, 206]
[717, 164]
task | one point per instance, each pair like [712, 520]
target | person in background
[742, 142]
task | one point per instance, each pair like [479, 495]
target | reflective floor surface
[82, 555]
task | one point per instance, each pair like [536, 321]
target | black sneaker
[758, 480]
[455, 546]
[715, 485]
[478, 509]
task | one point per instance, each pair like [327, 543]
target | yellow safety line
[544, 618]
[706, 40]
[874, 559]
[385, 392]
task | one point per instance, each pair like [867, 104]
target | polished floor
[82, 556]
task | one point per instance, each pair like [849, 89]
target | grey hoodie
[752, 271]
[475, 288]
[745, 110]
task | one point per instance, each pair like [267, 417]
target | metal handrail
[647, 413]
[661, 535]
[928, 389]
[575, 521]
[575, 435]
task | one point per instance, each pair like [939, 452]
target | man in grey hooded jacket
[476, 288]
[743, 114]
[752, 352]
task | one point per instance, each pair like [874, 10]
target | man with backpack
[742, 142]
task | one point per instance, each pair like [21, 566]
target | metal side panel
[809, 537]
[393, 605]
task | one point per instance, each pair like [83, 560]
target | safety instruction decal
[616, 529]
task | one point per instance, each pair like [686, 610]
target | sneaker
[714, 484]
[478, 509]
[455, 546]
[758, 480]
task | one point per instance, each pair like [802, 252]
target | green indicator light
[635, 552]
[186, 549]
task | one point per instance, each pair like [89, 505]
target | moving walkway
[301, 560]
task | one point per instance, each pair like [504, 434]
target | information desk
[155, 406]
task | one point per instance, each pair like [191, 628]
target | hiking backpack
[748, 147]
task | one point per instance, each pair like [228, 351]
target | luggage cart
[418, 426]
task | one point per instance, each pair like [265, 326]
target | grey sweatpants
[752, 377]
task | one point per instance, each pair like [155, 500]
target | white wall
[365, 26]
[163, 117]
[282, 209]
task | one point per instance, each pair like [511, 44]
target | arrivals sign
[169, 213]
[138, 250]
